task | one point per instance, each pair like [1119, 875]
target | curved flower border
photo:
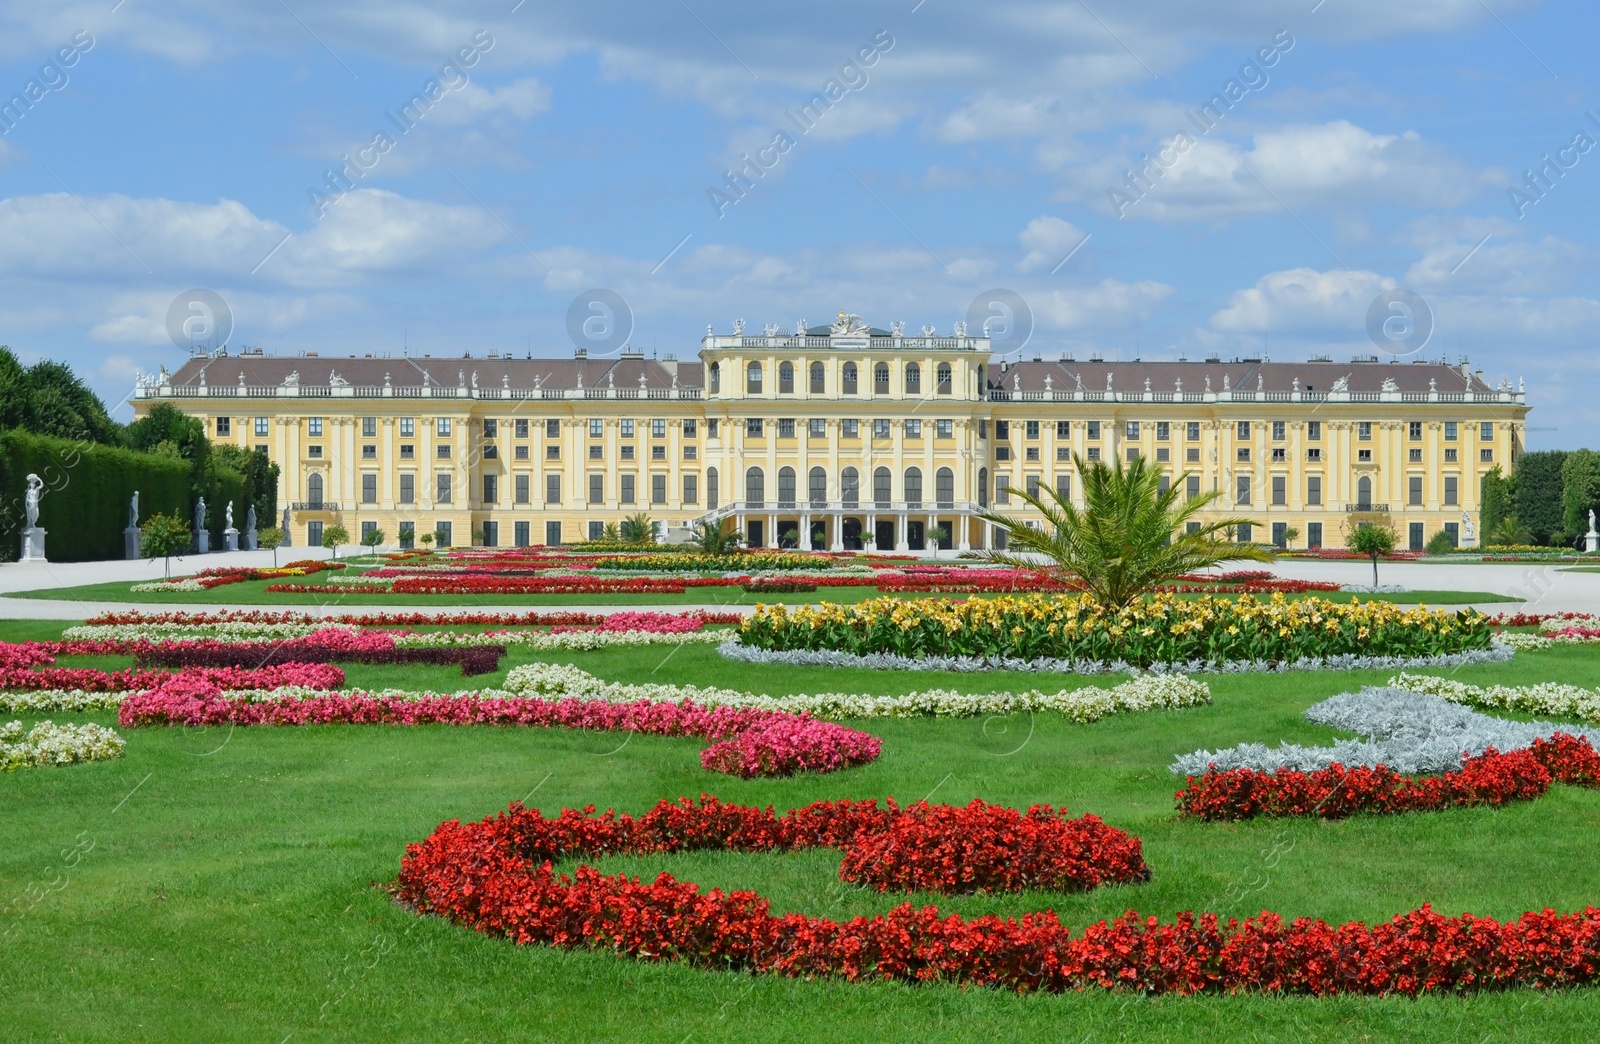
[50, 744]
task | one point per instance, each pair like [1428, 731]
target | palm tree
[637, 529]
[1130, 535]
[715, 538]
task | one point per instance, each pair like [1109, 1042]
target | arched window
[752, 379]
[913, 379]
[716, 378]
[850, 487]
[880, 379]
[818, 480]
[1364, 493]
[913, 487]
[818, 378]
[881, 493]
[786, 487]
[983, 487]
[786, 378]
[314, 489]
[944, 487]
[944, 378]
[849, 379]
[711, 488]
[755, 487]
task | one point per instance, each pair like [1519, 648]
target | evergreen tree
[1536, 495]
[1494, 499]
[1580, 491]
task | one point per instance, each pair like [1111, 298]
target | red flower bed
[312, 675]
[556, 618]
[324, 646]
[219, 576]
[750, 742]
[1336, 792]
[496, 877]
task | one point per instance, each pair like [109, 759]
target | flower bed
[50, 744]
[316, 675]
[748, 742]
[486, 876]
[323, 646]
[737, 562]
[1565, 701]
[1161, 629]
[1080, 705]
[779, 585]
[206, 579]
[1336, 792]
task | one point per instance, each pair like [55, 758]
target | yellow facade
[842, 433]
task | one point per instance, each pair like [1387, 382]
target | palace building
[842, 436]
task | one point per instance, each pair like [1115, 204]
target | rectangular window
[1002, 453]
[786, 427]
[520, 536]
[1314, 490]
[491, 428]
[1191, 455]
[491, 534]
[1314, 455]
[1002, 429]
[850, 429]
[552, 452]
[1450, 497]
[1032, 483]
[1064, 485]
[314, 427]
[1243, 428]
[1032, 428]
[627, 429]
[983, 429]
[1364, 431]
[711, 428]
[1191, 486]
[1414, 490]
[1280, 491]
[944, 429]
[1065, 452]
[408, 489]
[442, 491]
[444, 427]
[1163, 454]
[660, 452]
[691, 429]
[1278, 530]
[1418, 537]
[367, 529]
[1313, 534]
[1191, 431]
[552, 534]
[1486, 431]
[369, 452]
[1279, 431]
[491, 452]
[597, 428]
[521, 453]
[1133, 454]
[552, 489]
[442, 533]
[597, 489]
[369, 488]
[1450, 456]
[658, 489]
[408, 427]
[1363, 456]
[627, 451]
[691, 452]
[1242, 490]
[1486, 456]
[1002, 489]
[880, 429]
[597, 530]
[596, 451]
[1453, 531]
[1244, 533]
[913, 429]
[1244, 454]
[1280, 455]
[1414, 429]
[491, 489]
[1131, 429]
[627, 489]
[1032, 453]
[691, 489]
[752, 427]
[225, 425]
[1449, 431]
[520, 489]
[521, 432]
[314, 452]
[552, 429]
[1093, 453]
[261, 427]
[1092, 430]
[444, 452]
[658, 428]
[1415, 457]
[1163, 431]
[1313, 429]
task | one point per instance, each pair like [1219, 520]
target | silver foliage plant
[733, 650]
[1410, 732]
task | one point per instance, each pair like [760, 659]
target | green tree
[714, 538]
[1130, 535]
[260, 477]
[1536, 494]
[371, 539]
[61, 405]
[13, 390]
[937, 536]
[1441, 543]
[1494, 499]
[1508, 533]
[333, 536]
[163, 536]
[427, 541]
[1373, 537]
[165, 423]
[270, 539]
[1580, 491]
[1290, 535]
[637, 529]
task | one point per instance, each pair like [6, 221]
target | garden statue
[133, 510]
[250, 519]
[200, 514]
[228, 516]
[31, 500]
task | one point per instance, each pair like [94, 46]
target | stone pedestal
[33, 545]
[1591, 541]
[250, 540]
[230, 540]
[202, 542]
[130, 543]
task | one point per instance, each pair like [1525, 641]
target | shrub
[1439, 544]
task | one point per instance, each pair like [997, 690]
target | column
[836, 523]
[900, 527]
[805, 531]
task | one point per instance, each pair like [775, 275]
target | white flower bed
[1080, 705]
[58, 701]
[1370, 589]
[232, 631]
[1409, 732]
[582, 639]
[734, 650]
[1524, 642]
[1565, 701]
[188, 583]
[1588, 623]
[50, 744]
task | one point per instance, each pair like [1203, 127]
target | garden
[1239, 813]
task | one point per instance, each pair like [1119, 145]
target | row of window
[849, 379]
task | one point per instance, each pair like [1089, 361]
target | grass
[232, 889]
[254, 592]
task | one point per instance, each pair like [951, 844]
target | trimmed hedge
[87, 487]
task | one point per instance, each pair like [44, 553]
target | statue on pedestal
[133, 511]
[228, 516]
[30, 500]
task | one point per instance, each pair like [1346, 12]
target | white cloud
[1047, 240]
[1109, 305]
[1302, 299]
[474, 103]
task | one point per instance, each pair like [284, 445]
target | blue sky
[580, 146]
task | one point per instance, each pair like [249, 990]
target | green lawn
[233, 891]
[254, 592]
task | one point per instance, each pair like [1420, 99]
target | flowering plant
[50, 744]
